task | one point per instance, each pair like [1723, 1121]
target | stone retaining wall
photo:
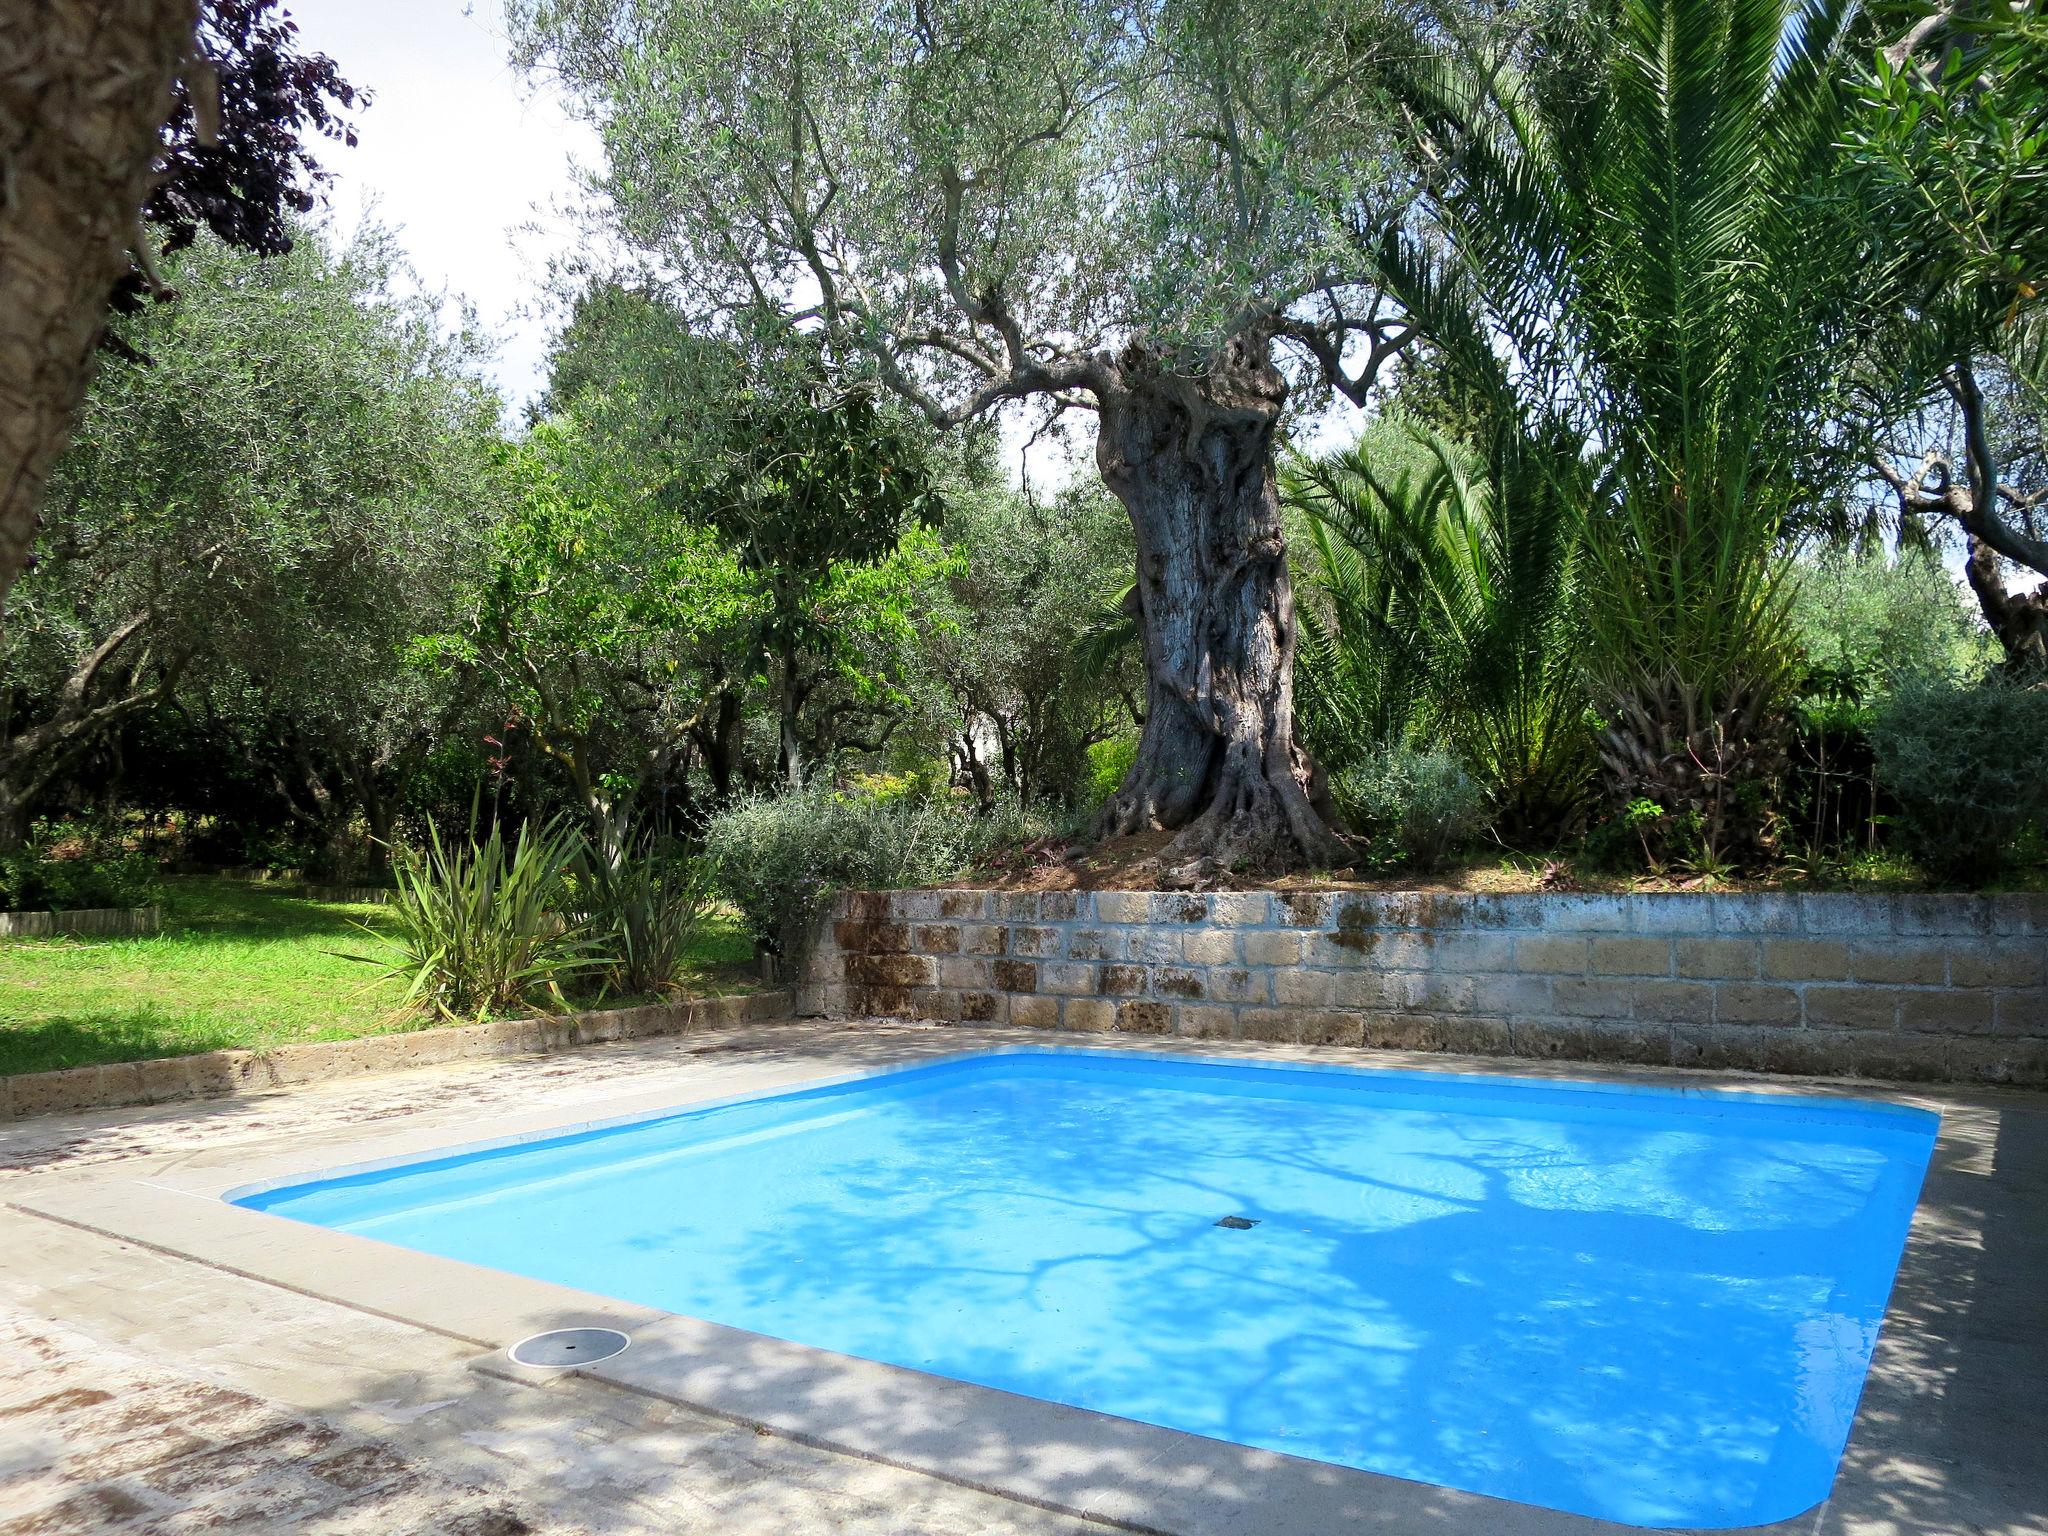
[1935, 988]
[215, 1074]
[104, 922]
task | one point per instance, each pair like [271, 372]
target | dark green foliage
[781, 860]
[1442, 604]
[36, 879]
[1423, 807]
[1964, 761]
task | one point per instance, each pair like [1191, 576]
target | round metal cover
[570, 1346]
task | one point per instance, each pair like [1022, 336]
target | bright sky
[456, 154]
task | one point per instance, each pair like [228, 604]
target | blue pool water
[1647, 1305]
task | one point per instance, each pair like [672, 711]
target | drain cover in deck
[569, 1346]
[1239, 1223]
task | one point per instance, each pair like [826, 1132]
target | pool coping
[1115, 1471]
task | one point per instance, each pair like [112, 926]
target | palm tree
[1659, 259]
[1441, 606]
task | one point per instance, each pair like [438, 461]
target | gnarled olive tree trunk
[85, 85]
[1191, 459]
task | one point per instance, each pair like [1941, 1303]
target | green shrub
[1108, 764]
[68, 868]
[781, 860]
[478, 927]
[1964, 762]
[644, 903]
[1424, 803]
[1866, 618]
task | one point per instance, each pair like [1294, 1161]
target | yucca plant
[1660, 258]
[644, 902]
[1444, 581]
[476, 927]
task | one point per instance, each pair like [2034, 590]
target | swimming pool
[1647, 1305]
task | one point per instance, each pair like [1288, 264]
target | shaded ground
[239, 964]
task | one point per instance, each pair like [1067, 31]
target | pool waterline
[1641, 1303]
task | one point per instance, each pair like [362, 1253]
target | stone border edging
[99, 922]
[222, 1074]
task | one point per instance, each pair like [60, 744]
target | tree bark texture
[1191, 459]
[85, 85]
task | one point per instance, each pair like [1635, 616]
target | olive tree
[1157, 211]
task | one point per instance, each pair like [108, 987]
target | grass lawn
[238, 964]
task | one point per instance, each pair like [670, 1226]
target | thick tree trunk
[2018, 620]
[1191, 459]
[84, 87]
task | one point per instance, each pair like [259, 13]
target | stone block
[984, 1007]
[2021, 1013]
[167, 1080]
[1899, 1058]
[984, 939]
[1090, 1014]
[864, 938]
[1178, 981]
[1016, 906]
[1240, 909]
[1554, 954]
[889, 971]
[1471, 954]
[1238, 984]
[936, 938]
[1853, 1007]
[1362, 989]
[1067, 978]
[1435, 992]
[1304, 989]
[1178, 907]
[1144, 1018]
[935, 1005]
[1195, 1022]
[1584, 914]
[1757, 912]
[1717, 959]
[1209, 946]
[1274, 1025]
[1032, 1012]
[1060, 906]
[1674, 1002]
[1630, 957]
[1949, 915]
[966, 973]
[1830, 913]
[1805, 960]
[1591, 997]
[1673, 913]
[1946, 1011]
[1898, 962]
[1585, 1039]
[1750, 1048]
[1405, 1031]
[1014, 975]
[51, 1093]
[1094, 944]
[1271, 948]
[2017, 1063]
[1301, 909]
[970, 905]
[1036, 943]
[1511, 994]
[1740, 1002]
[1120, 980]
[1123, 907]
[2009, 962]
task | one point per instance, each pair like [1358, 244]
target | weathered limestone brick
[1179, 981]
[1714, 959]
[1121, 980]
[1014, 975]
[936, 938]
[1473, 953]
[1209, 946]
[1144, 1018]
[1304, 989]
[1239, 984]
[1274, 1025]
[1301, 909]
[1123, 907]
[1323, 1027]
[964, 904]
[1805, 960]
[1068, 978]
[1592, 1040]
[1758, 912]
[1948, 1011]
[1552, 953]
[859, 937]
[1095, 944]
[1060, 906]
[1899, 962]
[1674, 1002]
[1854, 1007]
[1631, 957]
[1195, 1022]
[1996, 963]
[1675, 913]
[965, 973]
[1512, 994]
[1583, 914]
[889, 970]
[1176, 907]
[1741, 1002]
[1036, 942]
[1592, 997]
[1033, 1012]
[1272, 948]
[985, 939]
[1241, 909]
[2021, 1013]
[1087, 1013]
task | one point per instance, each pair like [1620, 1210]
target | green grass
[238, 964]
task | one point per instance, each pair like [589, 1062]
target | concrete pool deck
[116, 1234]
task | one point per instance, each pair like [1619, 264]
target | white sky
[456, 154]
